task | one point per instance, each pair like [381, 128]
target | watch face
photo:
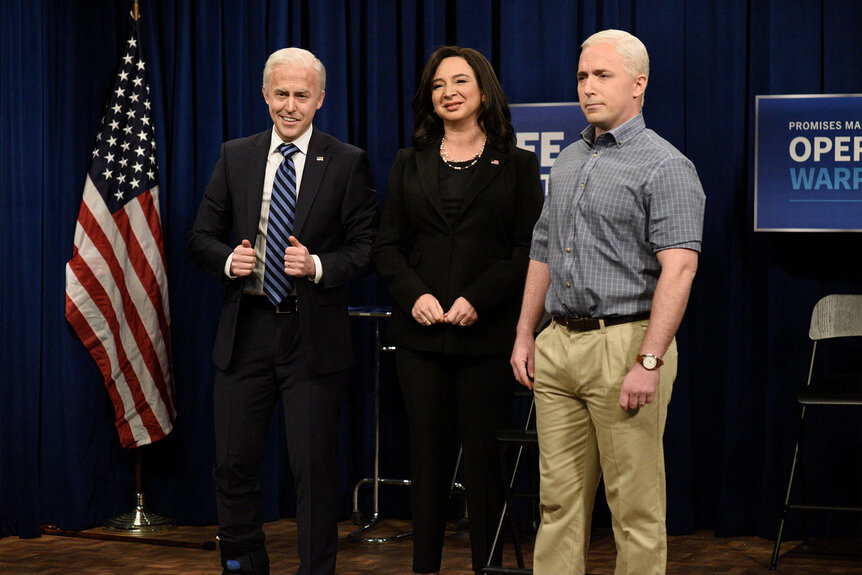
[649, 362]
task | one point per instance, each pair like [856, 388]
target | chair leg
[777, 547]
[793, 467]
[508, 506]
[510, 503]
[456, 488]
[497, 536]
[802, 484]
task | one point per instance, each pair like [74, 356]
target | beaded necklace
[452, 163]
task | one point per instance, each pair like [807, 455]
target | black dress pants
[269, 363]
[441, 393]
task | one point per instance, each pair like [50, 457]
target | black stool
[523, 439]
[835, 316]
[371, 521]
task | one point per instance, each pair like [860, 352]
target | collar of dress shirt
[301, 142]
[619, 135]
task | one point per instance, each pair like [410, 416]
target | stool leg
[510, 506]
[499, 532]
[793, 467]
[497, 535]
[777, 547]
[802, 486]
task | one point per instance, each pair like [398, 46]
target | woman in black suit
[453, 245]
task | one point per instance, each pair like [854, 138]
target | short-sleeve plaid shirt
[611, 205]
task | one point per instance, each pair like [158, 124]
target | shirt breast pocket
[615, 205]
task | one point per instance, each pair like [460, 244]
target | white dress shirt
[254, 284]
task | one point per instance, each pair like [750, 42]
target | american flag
[116, 286]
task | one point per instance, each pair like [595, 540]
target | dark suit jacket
[482, 255]
[336, 215]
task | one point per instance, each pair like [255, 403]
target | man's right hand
[242, 262]
[524, 360]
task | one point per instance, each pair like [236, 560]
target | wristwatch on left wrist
[649, 361]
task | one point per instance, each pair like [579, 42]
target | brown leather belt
[262, 302]
[591, 323]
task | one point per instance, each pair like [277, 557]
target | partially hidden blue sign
[808, 163]
[547, 129]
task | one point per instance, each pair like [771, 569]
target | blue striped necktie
[277, 285]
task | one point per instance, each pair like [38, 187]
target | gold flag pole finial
[135, 12]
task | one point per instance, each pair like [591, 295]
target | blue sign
[808, 163]
[547, 129]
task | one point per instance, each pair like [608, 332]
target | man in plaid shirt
[613, 257]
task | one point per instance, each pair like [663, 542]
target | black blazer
[482, 255]
[336, 216]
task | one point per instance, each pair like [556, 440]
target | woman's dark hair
[494, 116]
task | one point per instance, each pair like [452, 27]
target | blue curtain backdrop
[743, 343]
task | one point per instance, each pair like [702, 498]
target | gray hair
[298, 58]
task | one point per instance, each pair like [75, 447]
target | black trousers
[441, 393]
[269, 363]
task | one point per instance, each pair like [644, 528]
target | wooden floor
[701, 553]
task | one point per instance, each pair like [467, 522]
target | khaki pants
[583, 432]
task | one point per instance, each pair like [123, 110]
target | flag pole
[139, 521]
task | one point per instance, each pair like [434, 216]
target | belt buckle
[288, 306]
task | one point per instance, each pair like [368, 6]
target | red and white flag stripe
[117, 302]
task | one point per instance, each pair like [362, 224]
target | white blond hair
[629, 47]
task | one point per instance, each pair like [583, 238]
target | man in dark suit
[284, 325]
